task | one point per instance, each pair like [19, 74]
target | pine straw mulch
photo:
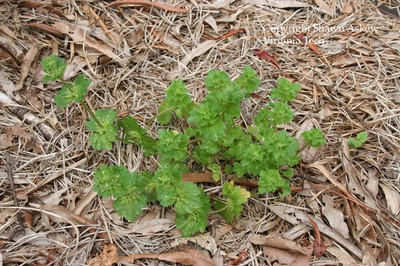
[131, 53]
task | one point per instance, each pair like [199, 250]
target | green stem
[92, 115]
[303, 148]
[160, 113]
[220, 210]
[84, 105]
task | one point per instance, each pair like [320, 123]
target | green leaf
[235, 198]
[177, 100]
[286, 90]
[314, 137]
[196, 221]
[358, 141]
[217, 80]
[133, 132]
[273, 115]
[172, 146]
[53, 67]
[130, 205]
[164, 113]
[248, 80]
[104, 134]
[216, 171]
[168, 182]
[72, 92]
[271, 180]
[281, 149]
[107, 180]
[188, 199]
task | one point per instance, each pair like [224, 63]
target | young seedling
[358, 141]
[212, 140]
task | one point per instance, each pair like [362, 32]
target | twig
[10, 177]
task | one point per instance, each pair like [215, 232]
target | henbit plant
[212, 139]
[358, 141]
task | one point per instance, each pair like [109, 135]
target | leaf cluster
[212, 139]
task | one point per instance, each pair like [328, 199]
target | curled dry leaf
[186, 257]
[319, 247]
[6, 57]
[107, 257]
[392, 198]
[228, 34]
[284, 251]
[9, 44]
[264, 55]
[80, 36]
[211, 21]
[205, 241]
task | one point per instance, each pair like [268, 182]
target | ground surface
[350, 83]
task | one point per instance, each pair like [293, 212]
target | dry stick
[10, 177]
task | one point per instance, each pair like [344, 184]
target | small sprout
[358, 141]
[314, 137]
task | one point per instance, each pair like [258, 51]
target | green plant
[213, 139]
[358, 141]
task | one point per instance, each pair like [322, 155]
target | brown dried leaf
[286, 252]
[342, 256]
[205, 241]
[198, 177]
[392, 198]
[186, 257]
[8, 32]
[354, 183]
[48, 28]
[28, 217]
[107, 257]
[18, 131]
[211, 21]
[150, 227]
[319, 247]
[295, 216]
[26, 66]
[228, 34]
[79, 36]
[6, 141]
[6, 57]
[78, 63]
[335, 217]
[199, 50]
[10, 45]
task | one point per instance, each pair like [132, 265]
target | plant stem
[92, 115]
[220, 210]
[303, 148]
[83, 103]
[157, 115]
